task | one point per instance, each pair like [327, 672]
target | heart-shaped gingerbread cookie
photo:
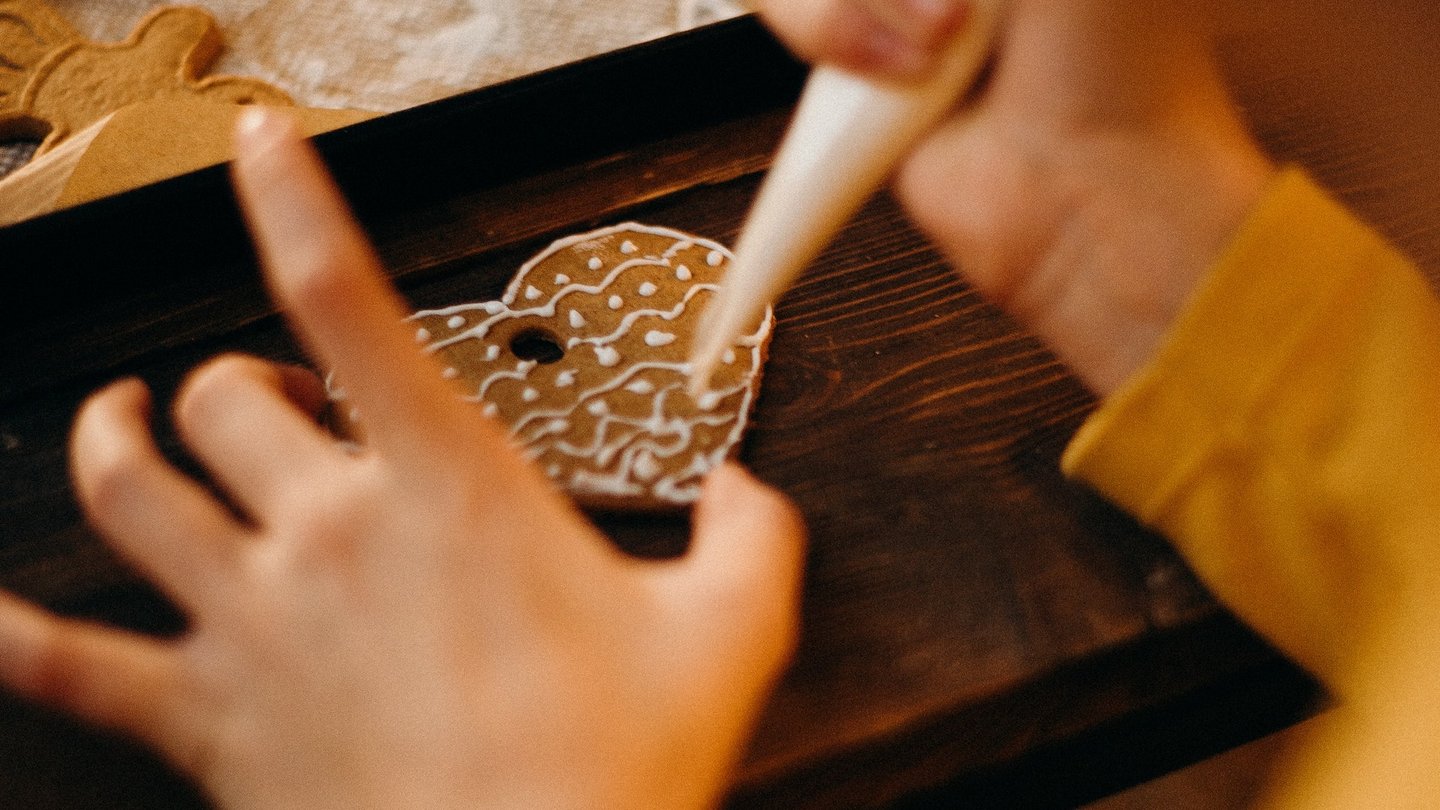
[584, 358]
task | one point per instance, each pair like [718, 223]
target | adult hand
[1092, 181]
[424, 622]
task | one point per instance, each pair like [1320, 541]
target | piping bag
[847, 135]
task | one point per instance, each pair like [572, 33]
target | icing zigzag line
[683, 242]
[629, 320]
[479, 331]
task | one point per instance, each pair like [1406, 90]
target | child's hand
[1094, 180]
[423, 623]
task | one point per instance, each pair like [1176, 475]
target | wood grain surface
[971, 619]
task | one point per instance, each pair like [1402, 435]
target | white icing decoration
[553, 471]
[627, 247]
[561, 279]
[709, 400]
[729, 356]
[522, 370]
[622, 447]
[647, 468]
[532, 292]
[492, 353]
[598, 407]
[577, 320]
[641, 387]
[456, 322]
[491, 410]
[422, 335]
[647, 289]
[630, 318]
[657, 338]
[530, 395]
[616, 302]
[450, 373]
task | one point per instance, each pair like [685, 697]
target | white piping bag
[847, 135]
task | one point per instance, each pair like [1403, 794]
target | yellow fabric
[1286, 438]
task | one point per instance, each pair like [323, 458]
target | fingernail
[925, 24]
[260, 129]
[885, 50]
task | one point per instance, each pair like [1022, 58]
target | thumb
[746, 554]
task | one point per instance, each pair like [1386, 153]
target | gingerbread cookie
[56, 83]
[584, 358]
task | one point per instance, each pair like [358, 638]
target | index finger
[325, 275]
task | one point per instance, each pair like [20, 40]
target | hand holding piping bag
[849, 131]
[1086, 188]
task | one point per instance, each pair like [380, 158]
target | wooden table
[974, 624]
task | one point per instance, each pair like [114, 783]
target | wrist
[1151, 221]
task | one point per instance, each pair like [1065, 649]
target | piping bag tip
[847, 135]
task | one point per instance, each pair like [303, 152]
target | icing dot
[709, 400]
[646, 467]
[530, 395]
[628, 247]
[494, 307]
[576, 319]
[524, 366]
[641, 387]
[598, 407]
[491, 410]
[455, 322]
[450, 373]
[532, 292]
[715, 258]
[422, 335]
[553, 471]
[647, 289]
[657, 338]
[565, 379]
[492, 353]
[607, 356]
[595, 263]
[354, 414]
[683, 273]
[616, 302]
[729, 356]
[562, 279]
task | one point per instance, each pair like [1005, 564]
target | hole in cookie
[538, 345]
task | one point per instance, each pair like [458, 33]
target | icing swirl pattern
[583, 357]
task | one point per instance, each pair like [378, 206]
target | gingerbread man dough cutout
[54, 82]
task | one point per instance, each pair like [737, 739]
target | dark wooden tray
[971, 619]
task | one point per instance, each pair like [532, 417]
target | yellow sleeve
[1286, 437]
